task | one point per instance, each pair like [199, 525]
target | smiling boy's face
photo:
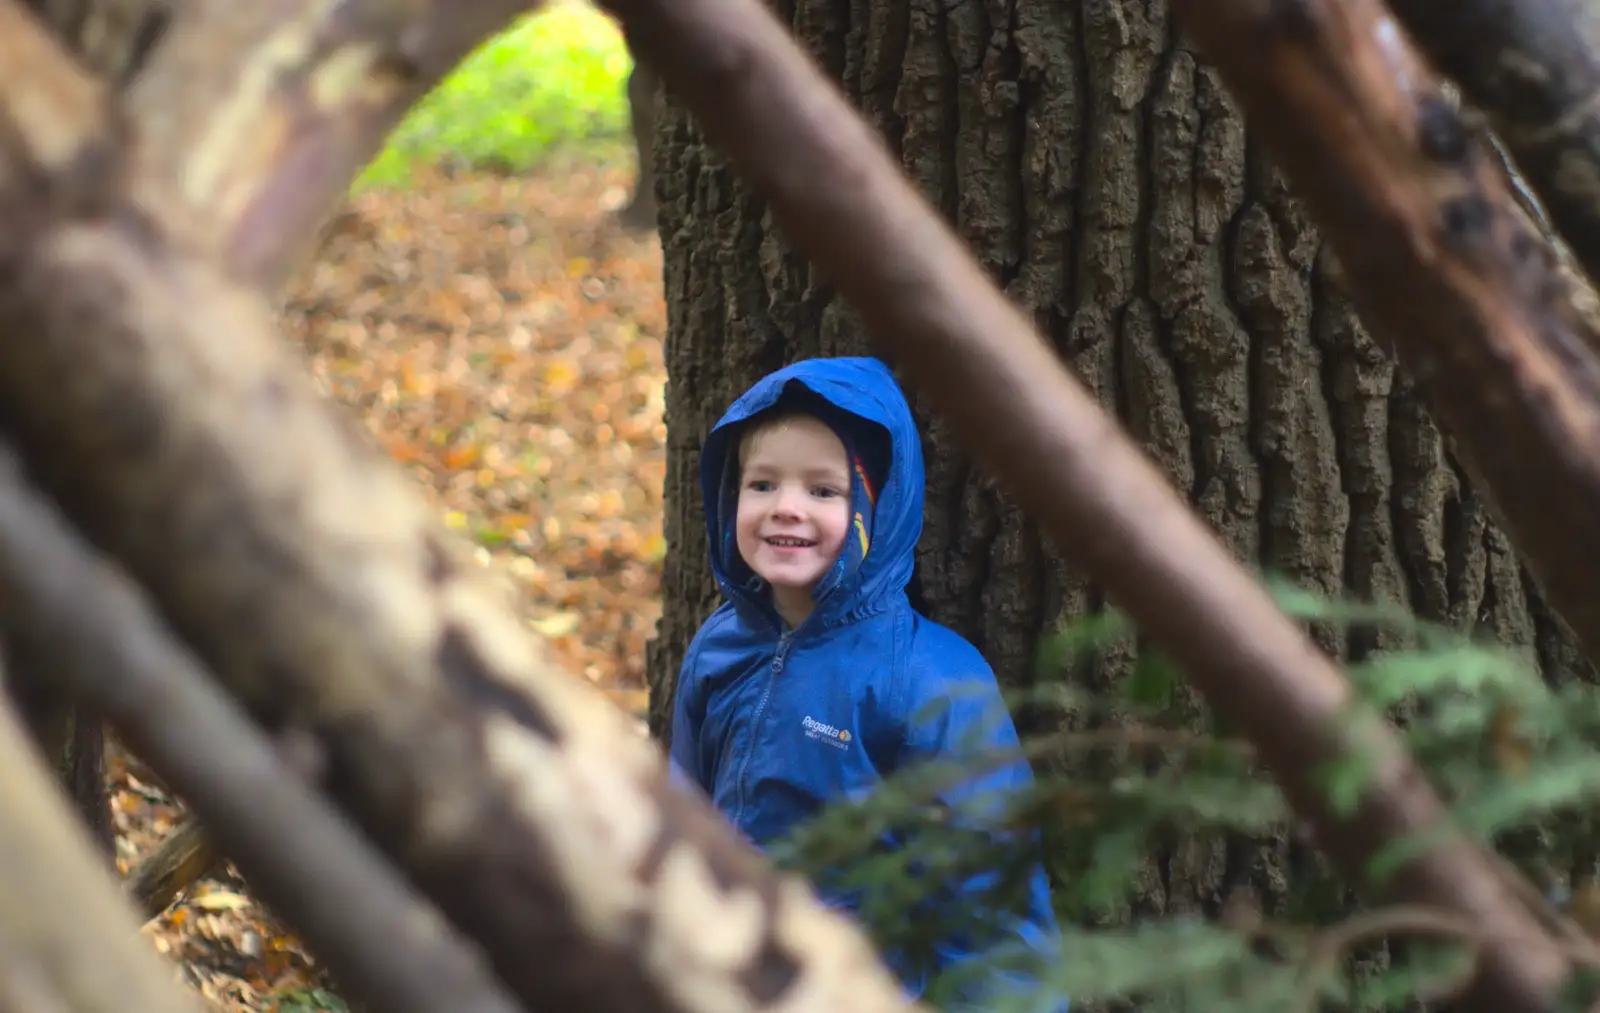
[794, 508]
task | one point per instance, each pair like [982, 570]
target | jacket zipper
[774, 670]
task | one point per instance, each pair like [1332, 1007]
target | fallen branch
[256, 115]
[68, 941]
[152, 398]
[845, 202]
[382, 942]
[182, 857]
[1534, 67]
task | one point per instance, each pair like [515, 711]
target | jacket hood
[859, 399]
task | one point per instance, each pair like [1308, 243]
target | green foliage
[309, 1000]
[1138, 769]
[555, 78]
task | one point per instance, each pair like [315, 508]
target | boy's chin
[797, 590]
[786, 585]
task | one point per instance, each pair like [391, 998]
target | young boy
[809, 683]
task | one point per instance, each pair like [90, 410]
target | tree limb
[381, 941]
[845, 202]
[1471, 299]
[256, 115]
[1534, 67]
[68, 942]
[154, 401]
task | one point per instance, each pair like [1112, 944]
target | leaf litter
[500, 337]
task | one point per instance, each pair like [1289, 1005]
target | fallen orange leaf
[464, 456]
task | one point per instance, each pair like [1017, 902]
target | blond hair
[773, 421]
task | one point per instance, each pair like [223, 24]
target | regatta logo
[838, 738]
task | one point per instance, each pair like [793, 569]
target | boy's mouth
[785, 542]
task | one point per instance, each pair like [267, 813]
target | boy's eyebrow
[820, 471]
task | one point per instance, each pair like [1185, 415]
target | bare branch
[1534, 67]
[1440, 264]
[257, 115]
[846, 203]
[382, 942]
[154, 401]
[69, 943]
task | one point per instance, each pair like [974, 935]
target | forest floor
[501, 339]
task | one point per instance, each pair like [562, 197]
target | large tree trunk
[1106, 180]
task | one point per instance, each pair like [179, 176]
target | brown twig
[845, 202]
[1329, 946]
[1563, 927]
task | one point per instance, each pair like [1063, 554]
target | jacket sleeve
[688, 713]
[955, 713]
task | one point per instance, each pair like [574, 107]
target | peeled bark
[1532, 66]
[255, 116]
[250, 119]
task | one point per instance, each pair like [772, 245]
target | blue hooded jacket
[773, 724]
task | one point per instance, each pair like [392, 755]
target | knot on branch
[60, 130]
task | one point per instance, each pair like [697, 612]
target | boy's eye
[825, 492]
[758, 485]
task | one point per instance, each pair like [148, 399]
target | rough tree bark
[1105, 179]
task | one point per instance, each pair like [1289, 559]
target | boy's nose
[788, 503]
